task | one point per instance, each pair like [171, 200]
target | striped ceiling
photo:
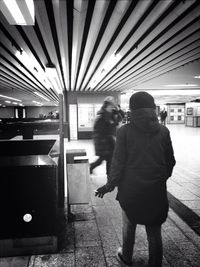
[147, 40]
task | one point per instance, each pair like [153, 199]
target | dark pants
[107, 158]
[154, 240]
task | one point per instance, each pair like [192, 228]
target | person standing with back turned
[142, 162]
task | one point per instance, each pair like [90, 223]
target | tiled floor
[94, 236]
[185, 182]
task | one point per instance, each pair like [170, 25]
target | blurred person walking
[142, 162]
[104, 133]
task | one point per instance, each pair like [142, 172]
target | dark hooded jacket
[142, 162]
[104, 133]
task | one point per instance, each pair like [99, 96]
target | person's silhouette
[142, 162]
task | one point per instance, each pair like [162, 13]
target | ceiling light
[181, 85]
[40, 95]
[7, 101]
[20, 12]
[4, 96]
[197, 77]
[15, 103]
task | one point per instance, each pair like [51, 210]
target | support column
[66, 115]
[72, 113]
[61, 157]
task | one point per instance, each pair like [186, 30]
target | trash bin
[28, 197]
[77, 177]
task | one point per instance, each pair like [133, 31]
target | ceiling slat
[149, 44]
[153, 39]
[104, 24]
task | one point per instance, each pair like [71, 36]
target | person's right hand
[101, 191]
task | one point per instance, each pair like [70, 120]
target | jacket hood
[145, 120]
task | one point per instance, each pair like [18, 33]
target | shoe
[120, 258]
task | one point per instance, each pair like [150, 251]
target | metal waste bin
[28, 197]
[77, 177]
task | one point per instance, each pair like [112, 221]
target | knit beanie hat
[141, 100]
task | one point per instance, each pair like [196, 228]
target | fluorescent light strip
[11, 98]
[15, 11]
[40, 95]
[197, 77]
[175, 92]
[181, 85]
[37, 103]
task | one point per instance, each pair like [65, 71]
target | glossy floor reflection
[185, 181]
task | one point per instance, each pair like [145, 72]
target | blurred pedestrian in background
[104, 133]
[163, 116]
[142, 162]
